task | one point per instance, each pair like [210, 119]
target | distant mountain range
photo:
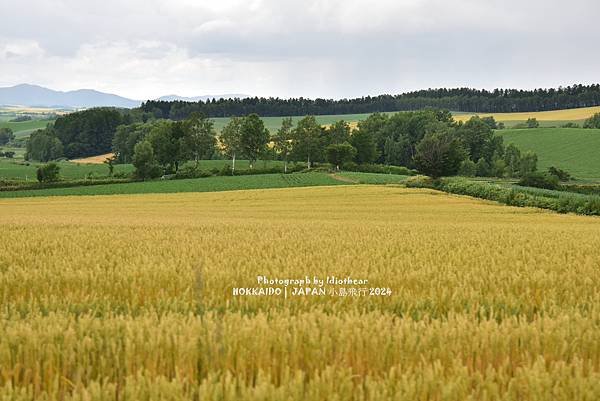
[38, 96]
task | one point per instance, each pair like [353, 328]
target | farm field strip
[21, 170]
[131, 296]
[208, 184]
[577, 114]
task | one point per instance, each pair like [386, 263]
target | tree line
[460, 99]
[429, 141]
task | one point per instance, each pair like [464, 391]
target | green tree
[283, 141]
[110, 162]
[498, 168]
[144, 162]
[467, 168]
[340, 153]
[490, 122]
[366, 148]
[200, 137]
[375, 126]
[394, 151]
[6, 135]
[512, 160]
[231, 139]
[440, 154]
[528, 163]
[307, 140]
[89, 132]
[43, 146]
[482, 168]
[48, 172]
[476, 135]
[126, 137]
[254, 137]
[408, 129]
[167, 140]
[338, 132]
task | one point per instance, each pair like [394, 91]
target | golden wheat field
[131, 298]
[554, 115]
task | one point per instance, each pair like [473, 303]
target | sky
[143, 49]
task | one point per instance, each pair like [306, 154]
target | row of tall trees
[460, 99]
[430, 141]
[161, 146]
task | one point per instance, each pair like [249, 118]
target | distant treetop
[459, 99]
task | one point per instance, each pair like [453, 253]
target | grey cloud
[331, 48]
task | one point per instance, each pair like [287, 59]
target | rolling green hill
[25, 128]
[575, 150]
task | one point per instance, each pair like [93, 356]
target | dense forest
[462, 99]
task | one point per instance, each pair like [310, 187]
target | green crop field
[372, 178]
[20, 170]
[209, 184]
[575, 150]
[25, 128]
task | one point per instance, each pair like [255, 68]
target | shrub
[482, 168]
[121, 174]
[467, 168]
[498, 168]
[226, 170]
[532, 123]
[144, 161]
[539, 180]
[592, 122]
[420, 181]
[561, 174]
[524, 197]
[378, 169]
[48, 172]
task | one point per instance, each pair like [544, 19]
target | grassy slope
[575, 150]
[274, 123]
[210, 184]
[26, 127]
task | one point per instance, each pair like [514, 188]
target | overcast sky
[314, 48]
